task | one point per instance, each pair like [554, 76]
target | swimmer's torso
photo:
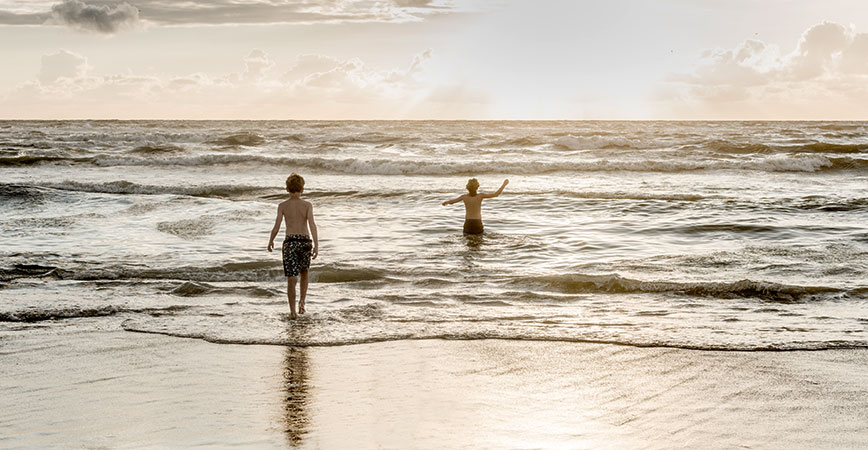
[472, 206]
[295, 213]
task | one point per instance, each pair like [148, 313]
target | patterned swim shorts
[297, 250]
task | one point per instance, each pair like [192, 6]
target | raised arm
[276, 227]
[312, 225]
[454, 200]
[499, 191]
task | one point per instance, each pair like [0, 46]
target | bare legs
[290, 294]
[303, 290]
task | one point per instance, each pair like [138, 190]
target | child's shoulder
[296, 201]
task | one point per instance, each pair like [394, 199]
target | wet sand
[84, 385]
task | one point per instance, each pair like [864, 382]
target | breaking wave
[31, 160]
[40, 315]
[127, 187]
[279, 339]
[156, 149]
[595, 142]
[615, 284]
[246, 139]
[381, 166]
[197, 289]
[266, 270]
[247, 192]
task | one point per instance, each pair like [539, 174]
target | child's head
[295, 183]
[472, 186]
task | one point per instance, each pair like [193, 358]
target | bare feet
[293, 316]
[301, 307]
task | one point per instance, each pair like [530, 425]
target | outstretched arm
[454, 200]
[499, 191]
[275, 229]
[312, 225]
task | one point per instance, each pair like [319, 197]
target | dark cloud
[107, 19]
[108, 16]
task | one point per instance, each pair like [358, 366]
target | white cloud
[106, 19]
[257, 64]
[313, 86]
[63, 64]
[825, 76]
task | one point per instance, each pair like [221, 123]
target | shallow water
[706, 235]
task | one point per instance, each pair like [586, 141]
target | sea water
[705, 235]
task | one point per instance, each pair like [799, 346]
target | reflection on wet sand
[295, 383]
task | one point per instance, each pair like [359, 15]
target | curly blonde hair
[294, 183]
[472, 186]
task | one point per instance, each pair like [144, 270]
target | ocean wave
[372, 137]
[26, 271]
[247, 139]
[621, 195]
[21, 193]
[615, 284]
[778, 163]
[296, 137]
[198, 289]
[383, 166]
[156, 149]
[755, 147]
[31, 160]
[128, 187]
[827, 147]
[833, 205]
[595, 142]
[842, 126]
[812, 163]
[248, 192]
[263, 270]
[277, 339]
[40, 315]
[523, 141]
[735, 147]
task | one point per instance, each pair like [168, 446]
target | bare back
[296, 213]
[472, 206]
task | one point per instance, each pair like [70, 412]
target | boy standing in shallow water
[297, 251]
[473, 205]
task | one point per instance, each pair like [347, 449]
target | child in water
[473, 205]
[297, 249]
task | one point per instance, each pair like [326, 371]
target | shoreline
[84, 386]
[846, 346]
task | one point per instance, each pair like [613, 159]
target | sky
[434, 59]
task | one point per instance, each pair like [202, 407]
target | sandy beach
[90, 388]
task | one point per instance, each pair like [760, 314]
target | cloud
[106, 16]
[95, 18]
[256, 66]
[351, 80]
[824, 76]
[309, 87]
[309, 64]
[63, 64]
